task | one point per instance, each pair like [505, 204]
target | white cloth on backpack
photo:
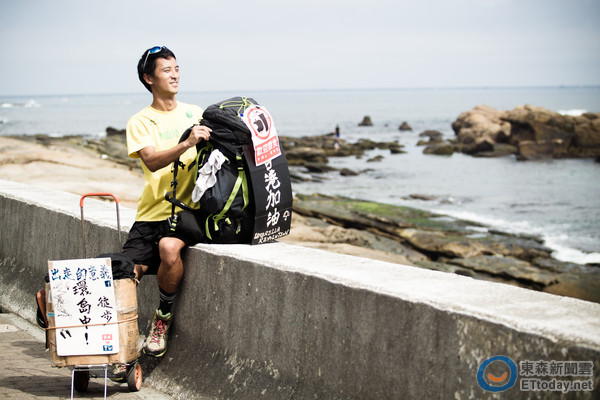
[207, 175]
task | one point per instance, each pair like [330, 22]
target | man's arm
[155, 160]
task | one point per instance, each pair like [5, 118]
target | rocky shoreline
[393, 233]
[433, 241]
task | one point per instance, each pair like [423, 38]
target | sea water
[558, 200]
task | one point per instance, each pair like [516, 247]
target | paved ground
[27, 373]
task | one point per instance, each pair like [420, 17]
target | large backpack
[226, 212]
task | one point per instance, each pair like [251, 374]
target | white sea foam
[32, 104]
[572, 113]
[567, 254]
[496, 223]
[555, 243]
[28, 104]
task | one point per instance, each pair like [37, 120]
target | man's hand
[155, 160]
[198, 133]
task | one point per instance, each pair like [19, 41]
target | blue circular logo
[501, 382]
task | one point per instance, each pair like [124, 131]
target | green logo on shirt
[169, 134]
[189, 114]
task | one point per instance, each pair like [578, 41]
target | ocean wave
[28, 104]
[559, 251]
[572, 113]
[496, 223]
[568, 254]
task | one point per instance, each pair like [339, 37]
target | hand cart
[120, 367]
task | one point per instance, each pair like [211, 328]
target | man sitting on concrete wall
[153, 136]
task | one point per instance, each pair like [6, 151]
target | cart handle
[99, 194]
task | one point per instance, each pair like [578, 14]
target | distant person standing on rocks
[336, 145]
[153, 137]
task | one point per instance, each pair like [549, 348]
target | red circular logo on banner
[260, 123]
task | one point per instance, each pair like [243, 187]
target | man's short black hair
[147, 64]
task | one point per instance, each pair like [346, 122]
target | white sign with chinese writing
[85, 312]
[264, 134]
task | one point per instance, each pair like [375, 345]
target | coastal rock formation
[405, 126]
[420, 238]
[440, 148]
[312, 152]
[529, 132]
[366, 121]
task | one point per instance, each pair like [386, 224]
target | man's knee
[170, 250]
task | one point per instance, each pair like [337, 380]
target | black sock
[166, 301]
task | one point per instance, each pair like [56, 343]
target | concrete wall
[278, 321]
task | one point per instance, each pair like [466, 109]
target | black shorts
[142, 243]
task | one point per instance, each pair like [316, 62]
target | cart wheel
[81, 380]
[134, 377]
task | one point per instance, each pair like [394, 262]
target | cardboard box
[127, 314]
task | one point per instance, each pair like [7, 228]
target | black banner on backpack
[272, 189]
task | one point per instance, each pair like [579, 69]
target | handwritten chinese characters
[273, 196]
[269, 176]
[84, 303]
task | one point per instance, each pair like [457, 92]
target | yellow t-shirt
[162, 130]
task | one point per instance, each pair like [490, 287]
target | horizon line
[483, 87]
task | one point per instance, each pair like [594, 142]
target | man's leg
[171, 266]
[139, 270]
[169, 276]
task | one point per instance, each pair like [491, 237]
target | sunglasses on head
[153, 50]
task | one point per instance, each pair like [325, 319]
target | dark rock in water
[318, 167]
[440, 149]
[426, 197]
[375, 159]
[348, 172]
[433, 135]
[366, 121]
[110, 131]
[480, 146]
[405, 126]
[396, 148]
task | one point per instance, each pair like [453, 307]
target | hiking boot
[119, 372]
[156, 342]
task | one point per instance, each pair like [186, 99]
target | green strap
[236, 188]
[242, 105]
[208, 235]
[200, 156]
[242, 182]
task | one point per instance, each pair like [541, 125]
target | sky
[92, 47]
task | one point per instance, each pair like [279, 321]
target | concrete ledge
[280, 321]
